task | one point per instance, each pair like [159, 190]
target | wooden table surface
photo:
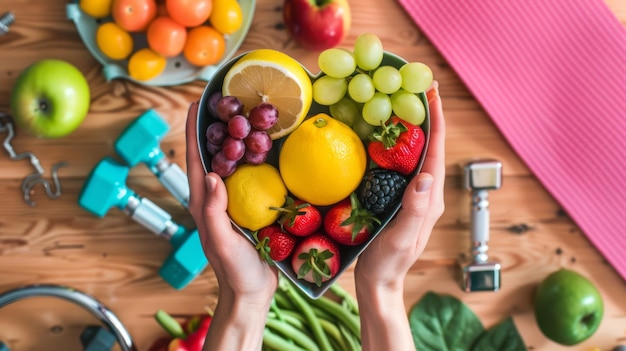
[117, 260]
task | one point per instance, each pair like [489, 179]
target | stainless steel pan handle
[78, 297]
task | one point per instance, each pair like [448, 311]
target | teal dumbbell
[96, 338]
[140, 143]
[106, 188]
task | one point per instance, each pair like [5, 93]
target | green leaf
[502, 337]
[443, 323]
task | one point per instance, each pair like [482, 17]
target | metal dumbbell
[106, 188]
[140, 143]
[478, 273]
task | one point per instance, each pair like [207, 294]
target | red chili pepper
[161, 344]
[187, 337]
[195, 340]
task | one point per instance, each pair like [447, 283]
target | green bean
[347, 300]
[310, 316]
[290, 317]
[321, 313]
[335, 335]
[291, 314]
[283, 301]
[329, 325]
[312, 324]
[292, 332]
[275, 309]
[336, 345]
[275, 342]
[350, 320]
[352, 341]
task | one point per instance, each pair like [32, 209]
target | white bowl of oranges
[161, 42]
[309, 181]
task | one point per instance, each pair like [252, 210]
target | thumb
[215, 202]
[415, 201]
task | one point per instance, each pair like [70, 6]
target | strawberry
[348, 223]
[316, 259]
[299, 218]
[397, 146]
[274, 244]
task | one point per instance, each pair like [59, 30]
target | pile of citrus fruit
[148, 32]
[300, 178]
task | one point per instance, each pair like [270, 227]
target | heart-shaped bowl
[177, 70]
[348, 253]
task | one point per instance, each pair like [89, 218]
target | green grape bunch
[364, 93]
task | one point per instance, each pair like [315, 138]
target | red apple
[317, 24]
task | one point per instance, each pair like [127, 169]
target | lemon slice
[267, 75]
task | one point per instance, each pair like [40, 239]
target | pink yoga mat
[552, 77]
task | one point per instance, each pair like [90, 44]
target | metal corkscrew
[30, 181]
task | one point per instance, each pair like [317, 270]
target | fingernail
[423, 184]
[211, 183]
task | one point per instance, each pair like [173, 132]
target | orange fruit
[113, 41]
[189, 13]
[166, 36]
[226, 16]
[204, 46]
[322, 161]
[96, 8]
[146, 64]
[133, 15]
[266, 75]
[252, 190]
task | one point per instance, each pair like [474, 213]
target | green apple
[568, 307]
[50, 98]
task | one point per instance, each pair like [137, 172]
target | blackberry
[381, 189]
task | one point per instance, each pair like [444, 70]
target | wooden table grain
[117, 260]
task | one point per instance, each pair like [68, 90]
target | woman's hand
[381, 269]
[246, 282]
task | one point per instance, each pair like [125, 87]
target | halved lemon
[267, 75]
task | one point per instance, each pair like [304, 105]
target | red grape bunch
[234, 138]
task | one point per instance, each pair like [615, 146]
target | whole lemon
[252, 190]
[322, 161]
